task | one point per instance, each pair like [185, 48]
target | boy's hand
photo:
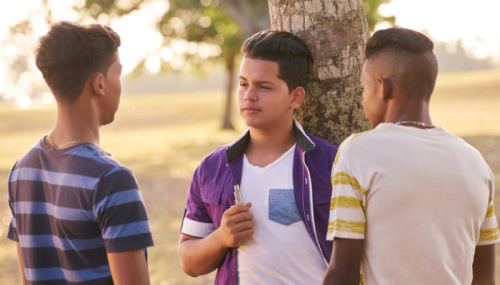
[236, 225]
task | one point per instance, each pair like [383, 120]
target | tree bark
[227, 124]
[336, 32]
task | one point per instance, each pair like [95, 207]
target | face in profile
[112, 91]
[374, 105]
[264, 100]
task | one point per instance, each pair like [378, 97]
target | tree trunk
[227, 124]
[336, 32]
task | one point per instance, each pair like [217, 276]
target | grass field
[162, 138]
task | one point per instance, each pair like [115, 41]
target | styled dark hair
[70, 53]
[409, 55]
[289, 51]
[398, 39]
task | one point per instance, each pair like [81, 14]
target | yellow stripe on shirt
[489, 234]
[490, 212]
[337, 156]
[345, 202]
[347, 226]
[357, 135]
[342, 178]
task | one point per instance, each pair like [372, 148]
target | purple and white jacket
[212, 192]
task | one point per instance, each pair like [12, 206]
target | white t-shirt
[280, 251]
[421, 199]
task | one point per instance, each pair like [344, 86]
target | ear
[386, 84]
[298, 94]
[98, 84]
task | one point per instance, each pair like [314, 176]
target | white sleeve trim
[196, 229]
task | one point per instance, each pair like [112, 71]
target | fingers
[240, 217]
[235, 209]
[243, 226]
[241, 236]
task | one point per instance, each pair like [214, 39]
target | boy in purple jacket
[277, 235]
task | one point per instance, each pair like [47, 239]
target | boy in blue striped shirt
[78, 215]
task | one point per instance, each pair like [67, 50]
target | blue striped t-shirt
[70, 208]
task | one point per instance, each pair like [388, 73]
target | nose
[251, 95]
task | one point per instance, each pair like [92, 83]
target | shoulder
[323, 147]
[216, 158]
[363, 141]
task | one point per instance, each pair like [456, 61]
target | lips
[250, 110]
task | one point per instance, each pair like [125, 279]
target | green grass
[163, 138]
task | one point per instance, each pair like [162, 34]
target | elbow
[188, 266]
[189, 271]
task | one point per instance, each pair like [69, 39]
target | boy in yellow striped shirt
[411, 203]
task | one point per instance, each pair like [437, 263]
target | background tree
[336, 32]
[372, 13]
[215, 27]
[216, 23]
[212, 32]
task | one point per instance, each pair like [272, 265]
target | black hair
[289, 51]
[409, 54]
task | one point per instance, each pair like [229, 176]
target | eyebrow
[259, 82]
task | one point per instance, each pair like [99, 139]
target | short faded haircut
[287, 50]
[409, 54]
[70, 53]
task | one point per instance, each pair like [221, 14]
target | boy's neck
[412, 110]
[267, 146]
[75, 122]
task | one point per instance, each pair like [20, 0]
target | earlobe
[298, 95]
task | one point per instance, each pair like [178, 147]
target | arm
[21, 264]
[203, 255]
[344, 267]
[483, 267]
[129, 267]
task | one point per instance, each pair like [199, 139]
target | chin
[252, 123]
[107, 121]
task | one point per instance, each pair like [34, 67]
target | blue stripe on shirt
[126, 230]
[90, 154]
[54, 178]
[57, 273]
[119, 198]
[61, 213]
[34, 241]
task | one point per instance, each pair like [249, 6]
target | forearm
[201, 256]
[484, 265]
[21, 264]
[344, 266]
[129, 268]
[333, 277]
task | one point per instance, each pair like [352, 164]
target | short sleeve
[347, 216]
[12, 233]
[489, 233]
[197, 221]
[121, 213]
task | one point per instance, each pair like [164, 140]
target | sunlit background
[471, 25]
[175, 95]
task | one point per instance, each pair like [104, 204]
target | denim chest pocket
[282, 207]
